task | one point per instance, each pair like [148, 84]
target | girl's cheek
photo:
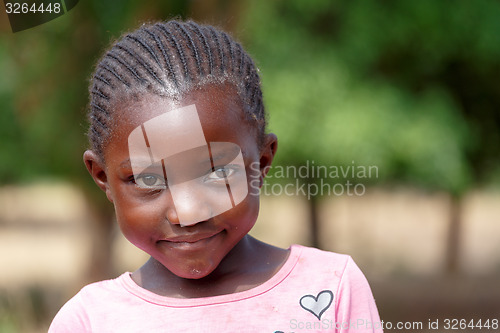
[139, 224]
[140, 211]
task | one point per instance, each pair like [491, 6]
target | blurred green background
[411, 87]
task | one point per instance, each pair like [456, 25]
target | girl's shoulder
[314, 258]
[102, 289]
[93, 298]
[325, 269]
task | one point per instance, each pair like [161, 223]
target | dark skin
[216, 256]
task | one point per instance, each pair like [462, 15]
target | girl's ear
[267, 154]
[96, 169]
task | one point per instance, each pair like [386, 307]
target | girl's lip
[191, 238]
[197, 242]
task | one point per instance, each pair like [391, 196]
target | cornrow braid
[170, 59]
[166, 57]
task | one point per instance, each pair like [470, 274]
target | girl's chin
[196, 274]
[193, 272]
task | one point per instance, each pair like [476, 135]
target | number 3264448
[461, 324]
[24, 8]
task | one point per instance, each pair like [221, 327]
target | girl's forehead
[216, 105]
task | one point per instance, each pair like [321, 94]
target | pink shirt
[314, 291]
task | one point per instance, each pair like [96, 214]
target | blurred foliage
[43, 89]
[409, 86]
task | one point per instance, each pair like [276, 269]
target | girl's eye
[220, 173]
[150, 181]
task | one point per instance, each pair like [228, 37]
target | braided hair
[170, 59]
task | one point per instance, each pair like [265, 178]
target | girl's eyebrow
[126, 164]
[222, 156]
[231, 152]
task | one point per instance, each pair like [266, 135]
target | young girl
[177, 126]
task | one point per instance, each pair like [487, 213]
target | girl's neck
[249, 264]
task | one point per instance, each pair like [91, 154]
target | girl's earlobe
[96, 169]
[267, 153]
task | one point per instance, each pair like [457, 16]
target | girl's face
[147, 215]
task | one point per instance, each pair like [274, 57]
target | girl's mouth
[192, 241]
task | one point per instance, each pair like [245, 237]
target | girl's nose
[172, 216]
[188, 207]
